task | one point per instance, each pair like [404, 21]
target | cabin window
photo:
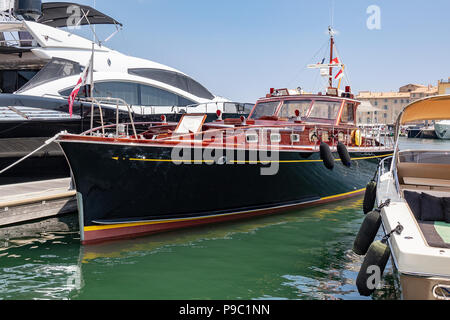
[295, 138]
[275, 138]
[151, 96]
[56, 69]
[325, 110]
[348, 114]
[174, 79]
[252, 138]
[134, 94]
[13, 80]
[265, 109]
[289, 107]
[124, 90]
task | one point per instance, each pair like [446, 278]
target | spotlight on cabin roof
[284, 92]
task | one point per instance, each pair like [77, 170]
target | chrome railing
[118, 102]
[380, 133]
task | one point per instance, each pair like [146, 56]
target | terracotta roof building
[388, 105]
[444, 86]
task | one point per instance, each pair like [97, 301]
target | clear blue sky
[240, 48]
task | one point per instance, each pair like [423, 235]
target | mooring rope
[31, 153]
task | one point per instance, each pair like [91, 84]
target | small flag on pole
[335, 61]
[339, 75]
[84, 79]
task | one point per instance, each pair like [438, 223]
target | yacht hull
[424, 288]
[20, 138]
[128, 190]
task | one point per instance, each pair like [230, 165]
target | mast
[330, 30]
[326, 69]
[91, 89]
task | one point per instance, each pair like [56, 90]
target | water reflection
[298, 255]
[42, 268]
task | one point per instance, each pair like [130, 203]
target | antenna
[332, 13]
[95, 29]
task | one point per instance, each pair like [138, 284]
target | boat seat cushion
[437, 234]
[434, 191]
[431, 208]
[424, 174]
[413, 200]
[446, 207]
[426, 182]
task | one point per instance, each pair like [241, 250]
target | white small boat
[443, 129]
[413, 207]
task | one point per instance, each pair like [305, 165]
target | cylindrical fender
[367, 233]
[344, 155]
[370, 197]
[372, 269]
[326, 156]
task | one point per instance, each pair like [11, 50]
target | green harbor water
[298, 255]
[305, 254]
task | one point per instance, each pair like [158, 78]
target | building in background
[388, 105]
[444, 86]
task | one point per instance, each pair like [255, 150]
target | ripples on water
[299, 255]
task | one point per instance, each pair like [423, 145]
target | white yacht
[413, 200]
[443, 129]
[59, 56]
[41, 61]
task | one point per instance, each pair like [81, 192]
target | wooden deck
[27, 202]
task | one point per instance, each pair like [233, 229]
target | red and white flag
[335, 61]
[339, 75]
[84, 79]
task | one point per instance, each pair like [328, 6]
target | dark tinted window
[152, 96]
[56, 69]
[124, 90]
[348, 114]
[13, 80]
[134, 94]
[174, 79]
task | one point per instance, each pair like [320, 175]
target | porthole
[275, 138]
[295, 138]
[252, 138]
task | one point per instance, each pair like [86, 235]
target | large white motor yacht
[42, 59]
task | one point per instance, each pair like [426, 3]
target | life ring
[356, 137]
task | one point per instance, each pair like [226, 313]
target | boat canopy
[431, 108]
[58, 14]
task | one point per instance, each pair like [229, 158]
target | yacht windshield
[265, 109]
[290, 107]
[56, 69]
[325, 109]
